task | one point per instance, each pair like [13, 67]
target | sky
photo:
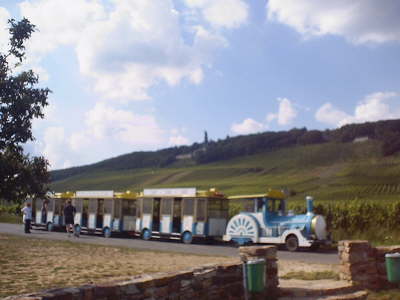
[139, 75]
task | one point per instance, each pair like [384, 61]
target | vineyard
[361, 219]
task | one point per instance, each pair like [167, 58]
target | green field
[330, 171]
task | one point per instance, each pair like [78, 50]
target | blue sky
[132, 75]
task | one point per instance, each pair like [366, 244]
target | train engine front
[267, 221]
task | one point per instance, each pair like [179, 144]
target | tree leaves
[20, 103]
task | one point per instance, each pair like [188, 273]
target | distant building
[184, 156]
[360, 139]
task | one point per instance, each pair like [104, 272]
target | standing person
[69, 214]
[44, 211]
[27, 217]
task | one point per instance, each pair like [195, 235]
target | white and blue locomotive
[266, 220]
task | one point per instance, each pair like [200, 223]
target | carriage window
[128, 207]
[246, 205]
[224, 208]
[117, 209]
[51, 205]
[260, 204]
[100, 207]
[177, 207]
[139, 209]
[92, 205]
[108, 206]
[166, 206]
[282, 207]
[148, 206]
[37, 205]
[57, 206]
[188, 207]
[78, 205]
[201, 210]
[271, 205]
[215, 208]
[85, 206]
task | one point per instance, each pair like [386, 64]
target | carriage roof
[181, 193]
[271, 194]
[95, 195]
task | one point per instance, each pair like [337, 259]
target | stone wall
[364, 265]
[269, 253]
[207, 282]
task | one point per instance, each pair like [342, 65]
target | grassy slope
[326, 171]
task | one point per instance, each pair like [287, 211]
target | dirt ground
[29, 264]
[288, 266]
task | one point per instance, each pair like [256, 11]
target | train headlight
[318, 227]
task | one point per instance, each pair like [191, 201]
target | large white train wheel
[243, 229]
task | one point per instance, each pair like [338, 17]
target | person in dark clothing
[69, 214]
[44, 211]
[27, 217]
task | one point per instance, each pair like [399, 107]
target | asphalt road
[319, 257]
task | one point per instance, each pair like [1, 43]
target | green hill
[328, 171]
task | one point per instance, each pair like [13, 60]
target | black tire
[292, 243]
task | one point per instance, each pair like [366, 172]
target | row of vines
[14, 209]
[357, 215]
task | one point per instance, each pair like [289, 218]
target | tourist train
[187, 214]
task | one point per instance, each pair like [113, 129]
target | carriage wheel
[49, 226]
[292, 243]
[146, 234]
[107, 232]
[187, 237]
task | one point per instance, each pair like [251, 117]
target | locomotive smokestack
[310, 204]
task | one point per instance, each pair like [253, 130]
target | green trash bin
[255, 275]
[392, 261]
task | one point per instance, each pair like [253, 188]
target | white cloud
[107, 131]
[222, 13]
[4, 36]
[54, 147]
[105, 123]
[59, 22]
[328, 114]
[128, 47]
[247, 126]
[178, 140]
[373, 107]
[359, 21]
[286, 113]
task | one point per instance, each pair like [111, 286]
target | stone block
[258, 251]
[162, 279]
[356, 257]
[174, 286]
[87, 291]
[381, 268]
[161, 292]
[106, 290]
[62, 294]
[143, 282]
[128, 288]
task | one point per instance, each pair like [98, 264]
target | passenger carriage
[105, 212]
[181, 213]
[266, 220]
[52, 217]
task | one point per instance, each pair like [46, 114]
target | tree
[20, 102]
[205, 138]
